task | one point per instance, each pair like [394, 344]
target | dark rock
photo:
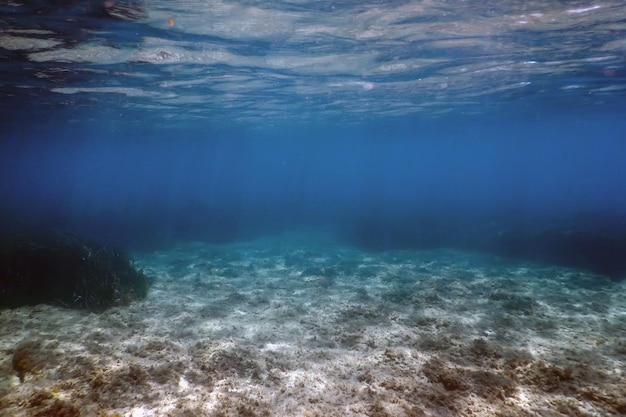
[69, 271]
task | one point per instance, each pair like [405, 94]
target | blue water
[348, 207]
[384, 124]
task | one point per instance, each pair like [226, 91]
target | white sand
[278, 327]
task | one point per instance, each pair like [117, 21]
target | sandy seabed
[284, 327]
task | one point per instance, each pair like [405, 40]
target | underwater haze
[342, 208]
[388, 124]
[445, 182]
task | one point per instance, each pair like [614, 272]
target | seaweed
[67, 270]
[58, 408]
[27, 359]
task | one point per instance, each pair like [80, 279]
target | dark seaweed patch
[70, 271]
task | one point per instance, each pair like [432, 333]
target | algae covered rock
[67, 270]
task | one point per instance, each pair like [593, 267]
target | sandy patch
[280, 327]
